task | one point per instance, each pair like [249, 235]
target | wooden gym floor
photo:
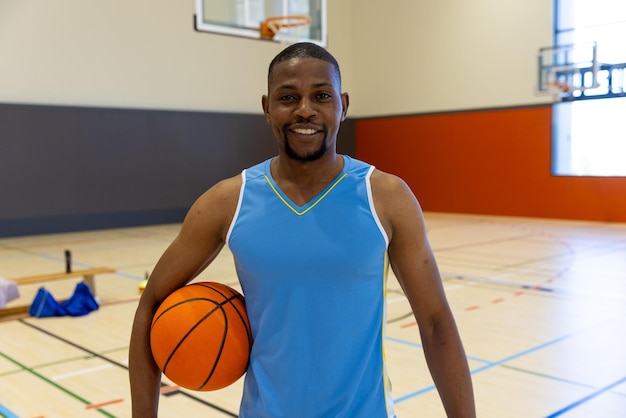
[541, 306]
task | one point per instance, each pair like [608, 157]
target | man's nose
[306, 108]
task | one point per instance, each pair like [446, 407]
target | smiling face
[305, 107]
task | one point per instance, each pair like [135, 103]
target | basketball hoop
[288, 29]
[560, 86]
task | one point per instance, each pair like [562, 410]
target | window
[297, 19]
[589, 136]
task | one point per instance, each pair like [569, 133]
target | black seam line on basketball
[182, 302]
[243, 321]
[219, 353]
[229, 300]
[225, 333]
[196, 325]
[54, 384]
[189, 331]
[110, 361]
[248, 331]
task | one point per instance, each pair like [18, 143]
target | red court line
[167, 389]
[118, 302]
[100, 405]
[561, 241]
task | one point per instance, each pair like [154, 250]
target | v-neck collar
[301, 210]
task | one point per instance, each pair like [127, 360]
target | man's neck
[301, 181]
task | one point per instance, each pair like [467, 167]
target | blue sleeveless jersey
[314, 279]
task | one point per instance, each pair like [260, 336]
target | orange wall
[493, 162]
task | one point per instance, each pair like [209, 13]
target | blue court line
[412, 344]
[587, 398]
[488, 365]
[4, 412]
[129, 276]
[523, 353]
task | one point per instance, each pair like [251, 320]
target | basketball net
[560, 89]
[286, 29]
[560, 86]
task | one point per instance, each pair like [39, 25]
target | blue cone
[82, 301]
[45, 305]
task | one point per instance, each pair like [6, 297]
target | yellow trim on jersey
[386, 378]
[314, 203]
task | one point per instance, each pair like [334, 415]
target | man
[312, 233]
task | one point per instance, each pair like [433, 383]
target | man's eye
[287, 98]
[323, 96]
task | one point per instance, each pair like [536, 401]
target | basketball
[200, 336]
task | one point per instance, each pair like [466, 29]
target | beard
[312, 156]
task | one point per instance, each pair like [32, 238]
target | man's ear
[265, 105]
[345, 102]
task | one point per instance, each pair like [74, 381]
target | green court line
[114, 350]
[56, 385]
[547, 376]
[66, 360]
[98, 355]
[10, 372]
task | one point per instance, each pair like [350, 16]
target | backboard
[245, 18]
[567, 69]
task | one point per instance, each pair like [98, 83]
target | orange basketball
[200, 336]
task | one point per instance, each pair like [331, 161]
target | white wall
[437, 55]
[410, 56]
[133, 54]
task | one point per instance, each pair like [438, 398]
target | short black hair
[305, 50]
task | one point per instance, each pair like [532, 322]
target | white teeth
[305, 131]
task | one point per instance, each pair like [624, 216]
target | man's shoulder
[232, 185]
[224, 192]
[383, 182]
